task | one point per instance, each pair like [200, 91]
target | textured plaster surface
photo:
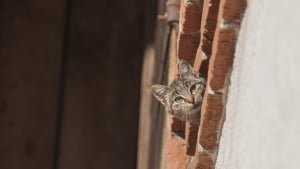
[262, 126]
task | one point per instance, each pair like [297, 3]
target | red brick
[203, 161]
[176, 158]
[233, 9]
[177, 125]
[191, 133]
[222, 57]
[198, 61]
[211, 117]
[190, 16]
[208, 25]
[187, 45]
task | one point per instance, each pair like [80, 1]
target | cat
[183, 98]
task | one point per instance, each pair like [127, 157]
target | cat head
[183, 98]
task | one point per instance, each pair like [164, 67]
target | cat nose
[190, 99]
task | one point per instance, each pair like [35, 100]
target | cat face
[183, 98]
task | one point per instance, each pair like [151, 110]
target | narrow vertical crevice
[62, 82]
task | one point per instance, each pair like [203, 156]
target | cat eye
[179, 100]
[194, 88]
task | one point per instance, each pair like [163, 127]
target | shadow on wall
[69, 83]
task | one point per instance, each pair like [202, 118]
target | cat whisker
[189, 113]
[186, 117]
[183, 119]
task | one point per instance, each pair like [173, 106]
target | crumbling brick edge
[220, 65]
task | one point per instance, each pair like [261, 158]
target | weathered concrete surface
[262, 126]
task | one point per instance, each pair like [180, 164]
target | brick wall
[207, 36]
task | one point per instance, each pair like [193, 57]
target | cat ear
[184, 67]
[160, 91]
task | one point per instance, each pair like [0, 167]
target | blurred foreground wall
[69, 83]
[262, 125]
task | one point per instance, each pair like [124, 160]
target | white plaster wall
[262, 126]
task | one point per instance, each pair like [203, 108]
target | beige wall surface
[262, 126]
